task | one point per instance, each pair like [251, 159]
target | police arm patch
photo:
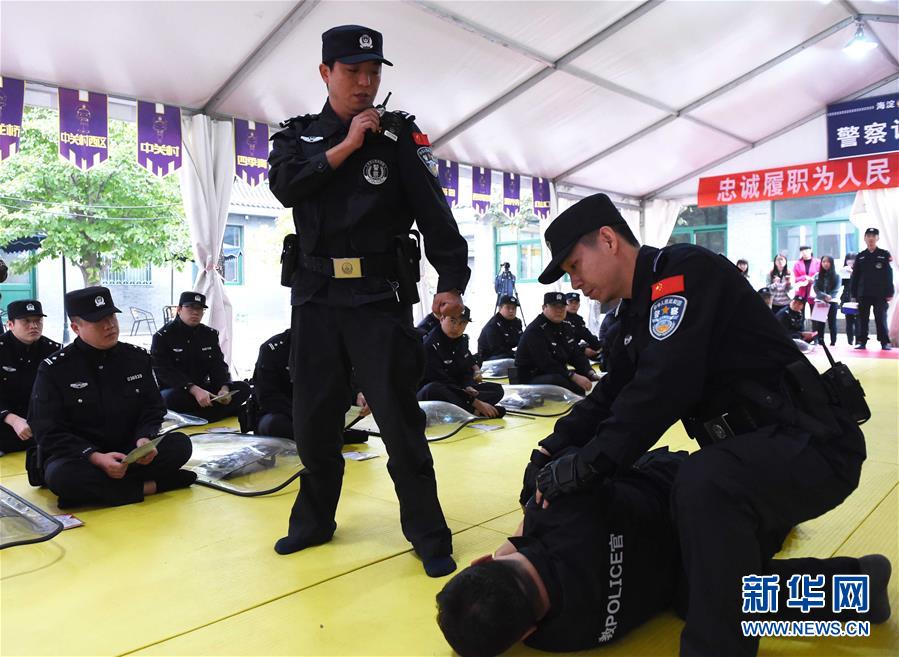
[665, 316]
[427, 158]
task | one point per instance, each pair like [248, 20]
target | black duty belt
[378, 264]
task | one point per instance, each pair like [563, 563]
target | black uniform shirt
[18, 367]
[358, 208]
[271, 378]
[580, 330]
[608, 558]
[448, 360]
[692, 328]
[427, 325]
[185, 356]
[546, 348]
[791, 321]
[86, 400]
[872, 275]
[499, 338]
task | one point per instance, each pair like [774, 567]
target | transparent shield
[497, 369]
[22, 523]
[175, 420]
[538, 400]
[244, 464]
[442, 420]
[804, 346]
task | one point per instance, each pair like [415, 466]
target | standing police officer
[499, 337]
[872, 285]
[547, 347]
[357, 177]
[93, 402]
[22, 348]
[190, 366]
[697, 344]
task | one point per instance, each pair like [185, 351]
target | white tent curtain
[879, 208]
[206, 179]
[423, 308]
[659, 217]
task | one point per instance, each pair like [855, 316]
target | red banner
[816, 179]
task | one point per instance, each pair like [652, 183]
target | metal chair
[168, 313]
[139, 316]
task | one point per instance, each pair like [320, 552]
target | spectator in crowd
[545, 352]
[22, 348]
[451, 371]
[743, 266]
[872, 285]
[846, 296]
[804, 273]
[827, 289]
[504, 283]
[499, 337]
[791, 318]
[94, 402]
[273, 393]
[190, 367]
[779, 283]
[584, 339]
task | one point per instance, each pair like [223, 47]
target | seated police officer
[792, 320]
[593, 566]
[273, 392]
[608, 330]
[93, 402]
[428, 324]
[451, 371]
[586, 341]
[547, 348]
[778, 444]
[22, 348]
[499, 337]
[190, 367]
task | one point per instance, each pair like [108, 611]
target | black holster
[289, 255]
[407, 249]
[34, 466]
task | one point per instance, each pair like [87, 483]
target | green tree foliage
[114, 215]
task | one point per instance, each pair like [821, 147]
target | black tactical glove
[529, 486]
[566, 474]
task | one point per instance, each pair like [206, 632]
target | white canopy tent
[633, 98]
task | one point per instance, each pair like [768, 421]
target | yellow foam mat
[193, 572]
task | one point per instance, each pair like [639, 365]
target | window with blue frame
[821, 222]
[703, 226]
[231, 262]
[521, 248]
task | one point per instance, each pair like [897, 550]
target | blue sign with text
[866, 126]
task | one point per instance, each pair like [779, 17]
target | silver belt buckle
[347, 267]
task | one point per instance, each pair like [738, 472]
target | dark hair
[829, 275]
[847, 258]
[622, 230]
[778, 273]
[330, 64]
[486, 608]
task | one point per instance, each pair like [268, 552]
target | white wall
[749, 237]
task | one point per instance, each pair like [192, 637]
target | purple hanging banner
[12, 104]
[511, 193]
[448, 172]
[480, 189]
[540, 187]
[158, 138]
[83, 128]
[251, 151]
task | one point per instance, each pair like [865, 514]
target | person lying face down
[593, 566]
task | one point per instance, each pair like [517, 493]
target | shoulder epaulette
[134, 347]
[305, 119]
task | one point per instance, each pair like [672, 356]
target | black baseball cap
[572, 296]
[90, 304]
[466, 314]
[583, 217]
[804, 248]
[508, 298]
[554, 298]
[801, 299]
[24, 308]
[872, 231]
[351, 44]
[192, 299]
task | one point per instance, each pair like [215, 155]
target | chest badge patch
[311, 139]
[428, 159]
[78, 385]
[375, 172]
[665, 316]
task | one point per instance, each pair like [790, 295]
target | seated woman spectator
[827, 288]
[846, 275]
[451, 371]
[779, 284]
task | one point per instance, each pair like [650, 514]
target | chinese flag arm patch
[670, 285]
[421, 139]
